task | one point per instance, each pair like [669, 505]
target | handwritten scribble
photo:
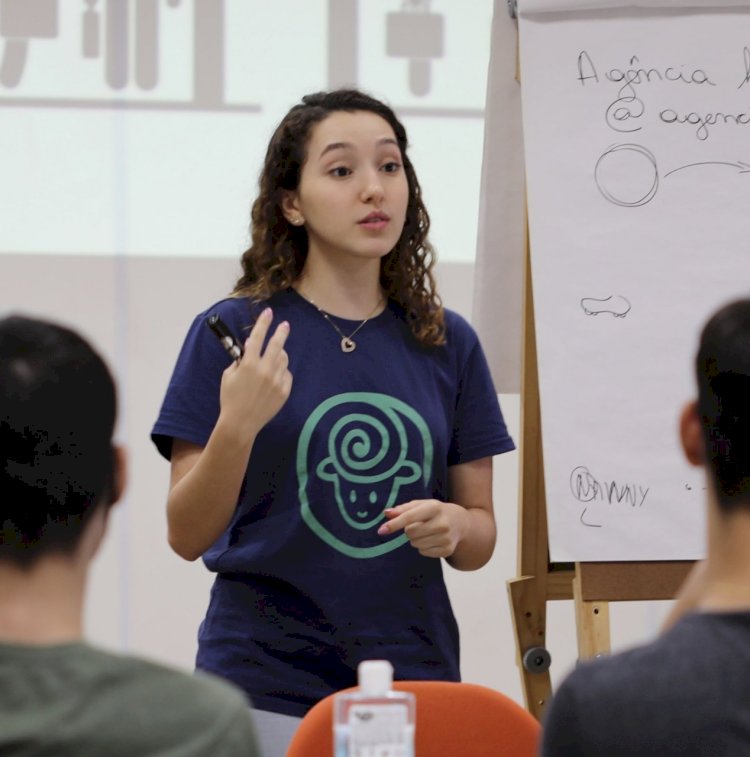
[627, 175]
[740, 165]
[633, 75]
[746, 56]
[616, 305]
[703, 120]
[689, 487]
[622, 110]
[585, 487]
[586, 522]
[623, 113]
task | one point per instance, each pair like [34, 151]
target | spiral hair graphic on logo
[356, 453]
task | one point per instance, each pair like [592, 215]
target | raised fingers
[254, 342]
[276, 343]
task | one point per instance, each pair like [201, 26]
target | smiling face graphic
[374, 445]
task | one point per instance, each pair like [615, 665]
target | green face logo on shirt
[355, 448]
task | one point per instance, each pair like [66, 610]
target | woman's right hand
[255, 389]
[206, 481]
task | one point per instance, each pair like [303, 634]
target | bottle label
[380, 730]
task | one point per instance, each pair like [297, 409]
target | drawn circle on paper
[583, 485]
[627, 175]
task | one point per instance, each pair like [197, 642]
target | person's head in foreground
[60, 470]
[723, 407]
[59, 473]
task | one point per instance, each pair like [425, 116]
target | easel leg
[528, 610]
[592, 622]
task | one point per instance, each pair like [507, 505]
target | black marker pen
[225, 336]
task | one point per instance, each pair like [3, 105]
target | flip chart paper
[637, 133]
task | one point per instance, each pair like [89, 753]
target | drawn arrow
[741, 165]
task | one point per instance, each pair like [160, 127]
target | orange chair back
[453, 720]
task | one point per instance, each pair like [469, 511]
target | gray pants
[274, 732]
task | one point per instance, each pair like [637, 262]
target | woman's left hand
[434, 528]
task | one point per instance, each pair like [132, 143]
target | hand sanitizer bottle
[374, 721]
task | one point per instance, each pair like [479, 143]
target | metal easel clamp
[513, 8]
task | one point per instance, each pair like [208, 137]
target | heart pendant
[348, 345]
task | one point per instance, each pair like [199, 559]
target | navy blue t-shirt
[305, 587]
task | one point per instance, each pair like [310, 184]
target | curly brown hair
[277, 254]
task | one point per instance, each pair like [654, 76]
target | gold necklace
[347, 342]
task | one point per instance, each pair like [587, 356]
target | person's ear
[290, 208]
[691, 434]
[119, 473]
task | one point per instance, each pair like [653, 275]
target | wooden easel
[591, 585]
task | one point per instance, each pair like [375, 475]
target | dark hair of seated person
[723, 372]
[57, 416]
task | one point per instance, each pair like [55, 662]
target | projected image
[138, 126]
